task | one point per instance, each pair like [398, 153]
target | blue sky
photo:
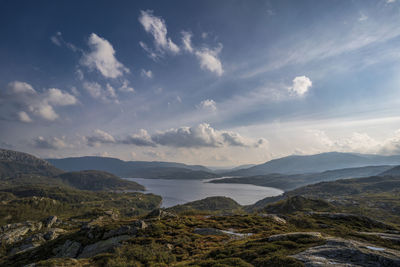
[219, 83]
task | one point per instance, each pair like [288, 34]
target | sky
[218, 83]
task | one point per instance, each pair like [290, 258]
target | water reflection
[176, 192]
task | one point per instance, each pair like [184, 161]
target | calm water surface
[176, 192]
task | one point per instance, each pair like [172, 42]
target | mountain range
[316, 163]
[134, 169]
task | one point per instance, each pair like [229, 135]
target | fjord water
[176, 192]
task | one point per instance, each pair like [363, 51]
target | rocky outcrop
[159, 213]
[126, 229]
[102, 246]
[12, 233]
[339, 252]
[50, 221]
[69, 249]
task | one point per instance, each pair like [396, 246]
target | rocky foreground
[164, 238]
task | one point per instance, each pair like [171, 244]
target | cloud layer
[201, 135]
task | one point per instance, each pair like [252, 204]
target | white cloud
[187, 41]
[57, 97]
[141, 139]
[209, 59]
[18, 87]
[126, 87]
[96, 91]
[100, 137]
[362, 17]
[301, 85]
[208, 104]
[157, 28]
[390, 1]
[55, 39]
[44, 110]
[102, 58]
[41, 104]
[202, 135]
[24, 117]
[146, 73]
[49, 143]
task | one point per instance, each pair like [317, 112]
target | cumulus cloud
[301, 85]
[157, 28]
[390, 1]
[125, 87]
[100, 137]
[357, 143]
[49, 143]
[208, 104]
[102, 58]
[141, 139]
[39, 104]
[187, 41]
[24, 117]
[96, 91]
[146, 73]
[202, 135]
[209, 60]
[18, 87]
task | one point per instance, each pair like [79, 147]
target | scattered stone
[159, 213]
[53, 234]
[140, 225]
[294, 235]
[112, 214]
[69, 249]
[349, 253]
[274, 217]
[103, 246]
[123, 230]
[50, 221]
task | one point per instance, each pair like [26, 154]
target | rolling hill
[292, 181]
[14, 164]
[136, 169]
[17, 168]
[316, 163]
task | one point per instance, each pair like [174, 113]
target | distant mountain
[141, 169]
[395, 171]
[14, 164]
[97, 181]
[316, 163]
[20, 169]
[292, 181]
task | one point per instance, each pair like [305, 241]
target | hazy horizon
[216, 83]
